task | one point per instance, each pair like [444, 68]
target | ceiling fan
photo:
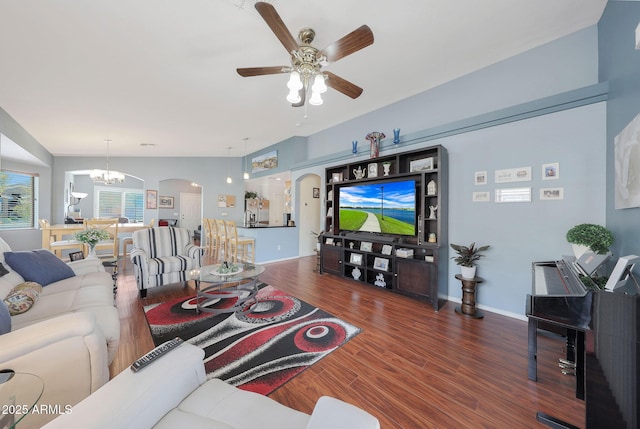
[305, 71]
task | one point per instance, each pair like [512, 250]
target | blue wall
[455, 115]
[620, 65]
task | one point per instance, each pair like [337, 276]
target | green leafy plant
[598, 238]
[92, 236]
[468, 255]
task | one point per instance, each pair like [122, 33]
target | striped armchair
[162, 256]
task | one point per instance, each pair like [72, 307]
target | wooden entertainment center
[409, 262]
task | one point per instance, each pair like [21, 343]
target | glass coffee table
[231, 292]
[19, 393]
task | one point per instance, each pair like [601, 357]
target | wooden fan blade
[273, 20]
[344, 86]
[359, 38]
[259, 71]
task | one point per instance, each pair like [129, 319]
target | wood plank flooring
[410, 366]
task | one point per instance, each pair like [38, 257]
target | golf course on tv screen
[385, 207]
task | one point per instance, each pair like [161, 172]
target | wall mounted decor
[165, 202]
[152, 199]
[265, 161]
[551, 171]
[627, 161]
[520, 174]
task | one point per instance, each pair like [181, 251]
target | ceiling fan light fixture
[294, 96]
[316, 99]
[295, 83]
[318, 84]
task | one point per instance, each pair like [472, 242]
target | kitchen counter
[273, 242]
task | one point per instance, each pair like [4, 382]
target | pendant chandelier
[107, 177]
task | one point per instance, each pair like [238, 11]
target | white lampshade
[315, 99]
[295, 83]
[318, 84]
[294, 96]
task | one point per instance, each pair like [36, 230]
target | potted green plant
[589, 236]
[467, 257]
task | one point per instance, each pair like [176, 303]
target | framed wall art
[152, 199]
[165, 202]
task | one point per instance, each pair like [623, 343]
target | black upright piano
[604, 327]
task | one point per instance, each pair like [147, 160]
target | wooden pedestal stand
[468, 306]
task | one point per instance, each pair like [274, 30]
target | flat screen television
[387, 207]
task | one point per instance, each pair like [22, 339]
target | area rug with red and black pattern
[259, 351]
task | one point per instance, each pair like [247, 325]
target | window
[18, 208]
[118, 202]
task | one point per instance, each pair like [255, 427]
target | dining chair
[240, 249]
[57, 246]
[221, 246]
[109, 248]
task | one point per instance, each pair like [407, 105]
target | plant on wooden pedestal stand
[467, 256]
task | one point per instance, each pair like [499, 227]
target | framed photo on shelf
[373, 169]
[381, 264]
[329, 241]
[356, 258]
[336, 177]
[424, 164]
[386, 249]
[366, 246]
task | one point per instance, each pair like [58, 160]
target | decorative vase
[468, 272]
[374, 139]
[386, 166]
[92, 251]
[396, 135]
[354, 147]
[356, 273]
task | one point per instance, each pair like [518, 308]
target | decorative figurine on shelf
[396, 135]
[432, 188]
[356, 273]
[354, 147]
[386, 166]
[351, 244]
[359, 173]
[432, 212]
[380, 281]
[432, 237]
[375, 137]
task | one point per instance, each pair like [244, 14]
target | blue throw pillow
[5, 318]
[40, 266]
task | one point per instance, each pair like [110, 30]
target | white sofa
[89, 291]
[68, 353]
[173, 392]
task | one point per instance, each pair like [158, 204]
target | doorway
[308, 215]
[190, 211]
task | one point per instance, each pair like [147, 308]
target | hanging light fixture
[107, 176]
[245, 176]
[229, 179]
[305, 71]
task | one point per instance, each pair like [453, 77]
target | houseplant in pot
[467, 256]
[589, 236]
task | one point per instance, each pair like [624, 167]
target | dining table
[59, 231]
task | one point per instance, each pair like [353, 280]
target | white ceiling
[76, 72]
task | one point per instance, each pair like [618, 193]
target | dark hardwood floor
[410, 366]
